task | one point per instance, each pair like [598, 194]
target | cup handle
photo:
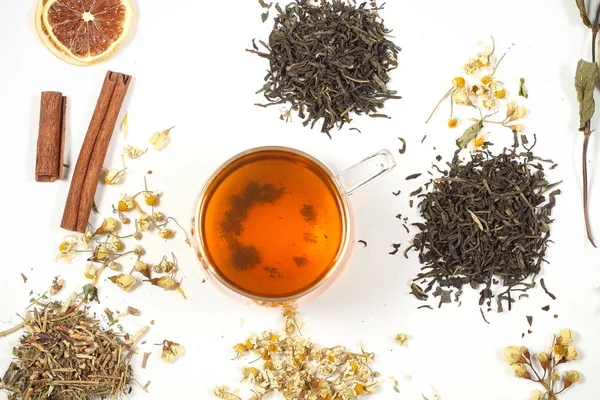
[368, 170]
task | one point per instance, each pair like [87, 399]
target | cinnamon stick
[93, 152]
[51, 137]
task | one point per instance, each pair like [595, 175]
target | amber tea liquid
[273, 224]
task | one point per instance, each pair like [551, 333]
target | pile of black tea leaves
[328, 60]
[486, 224]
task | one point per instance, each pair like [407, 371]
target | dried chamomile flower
[537, 395]
[166, 233]
[126, 203]
[164, 282]
[479, 141]
[143, 268]
[170, 351]
[223, 392]
[166, 266]
[100, 254]
[113, 176]
[67, 249]
[133, 152]
[159, 139]
[124, 281]
[452, 122]
[459, 81]
[571, 354]
[484, 58]
[143, 223]
[402, 339]
[572, 376]
[461, 96]
[158, 217]
[138, 250]
[488, 101]
[151, 198]
[471, 66]
[114, 244]
[109, 225]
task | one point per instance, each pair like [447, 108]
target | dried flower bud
[125, 282]
[520, 112]
[452, 122]
[537, 395]
[137, 235]
[521, 371]
[143, 223]
[572, 377]
[171, 351]
[114, 244]
[514, 355]
[115, 266]
[142, 267]
[158, 217]
[138, 250]
[571, 354]
[555, 377]
[544, 359]
[164, 282]
[100, 254]
[159, 139]
[565, 337]
[558, 352]
[166, 233]
[90, 271]
[167, 266]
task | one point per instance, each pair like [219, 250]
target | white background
[191, 70]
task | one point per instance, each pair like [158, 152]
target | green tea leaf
[583, 13]
[522, 90]
[585, 82]
[470, 134]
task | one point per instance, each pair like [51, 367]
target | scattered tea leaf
[363, 242]
[403, 148]
[522, 89]
[413, 176]
[396, 247]
[543, 284]
[470, 134]
[546, 308]
[530, 320]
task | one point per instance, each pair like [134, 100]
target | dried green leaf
[469, 134]
[264, 16]
[583, 13]
[585, 82]
[90, 293]
[522, 90]
[264, 5]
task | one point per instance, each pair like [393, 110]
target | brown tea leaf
[585, 82]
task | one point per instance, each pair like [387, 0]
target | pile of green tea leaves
[329, 60]
[486, 224]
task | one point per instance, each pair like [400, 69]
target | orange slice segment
[86, 31]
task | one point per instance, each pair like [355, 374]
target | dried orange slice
[83, 32]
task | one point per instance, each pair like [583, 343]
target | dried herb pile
[66, 355]
[486, 223]
[295, 367]
[329, 60]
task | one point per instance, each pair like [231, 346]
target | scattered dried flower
[452, 122]
[170, 351]
[159, 139]
[562, 352]
[57, 286]
[402, 339]
[164, 282]
[124, 281]
[113, 176]
[133, 152]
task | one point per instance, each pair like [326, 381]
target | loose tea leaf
[522, 90]
[328, 60]
[583, 13]
[586, 78]
[486, 218]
